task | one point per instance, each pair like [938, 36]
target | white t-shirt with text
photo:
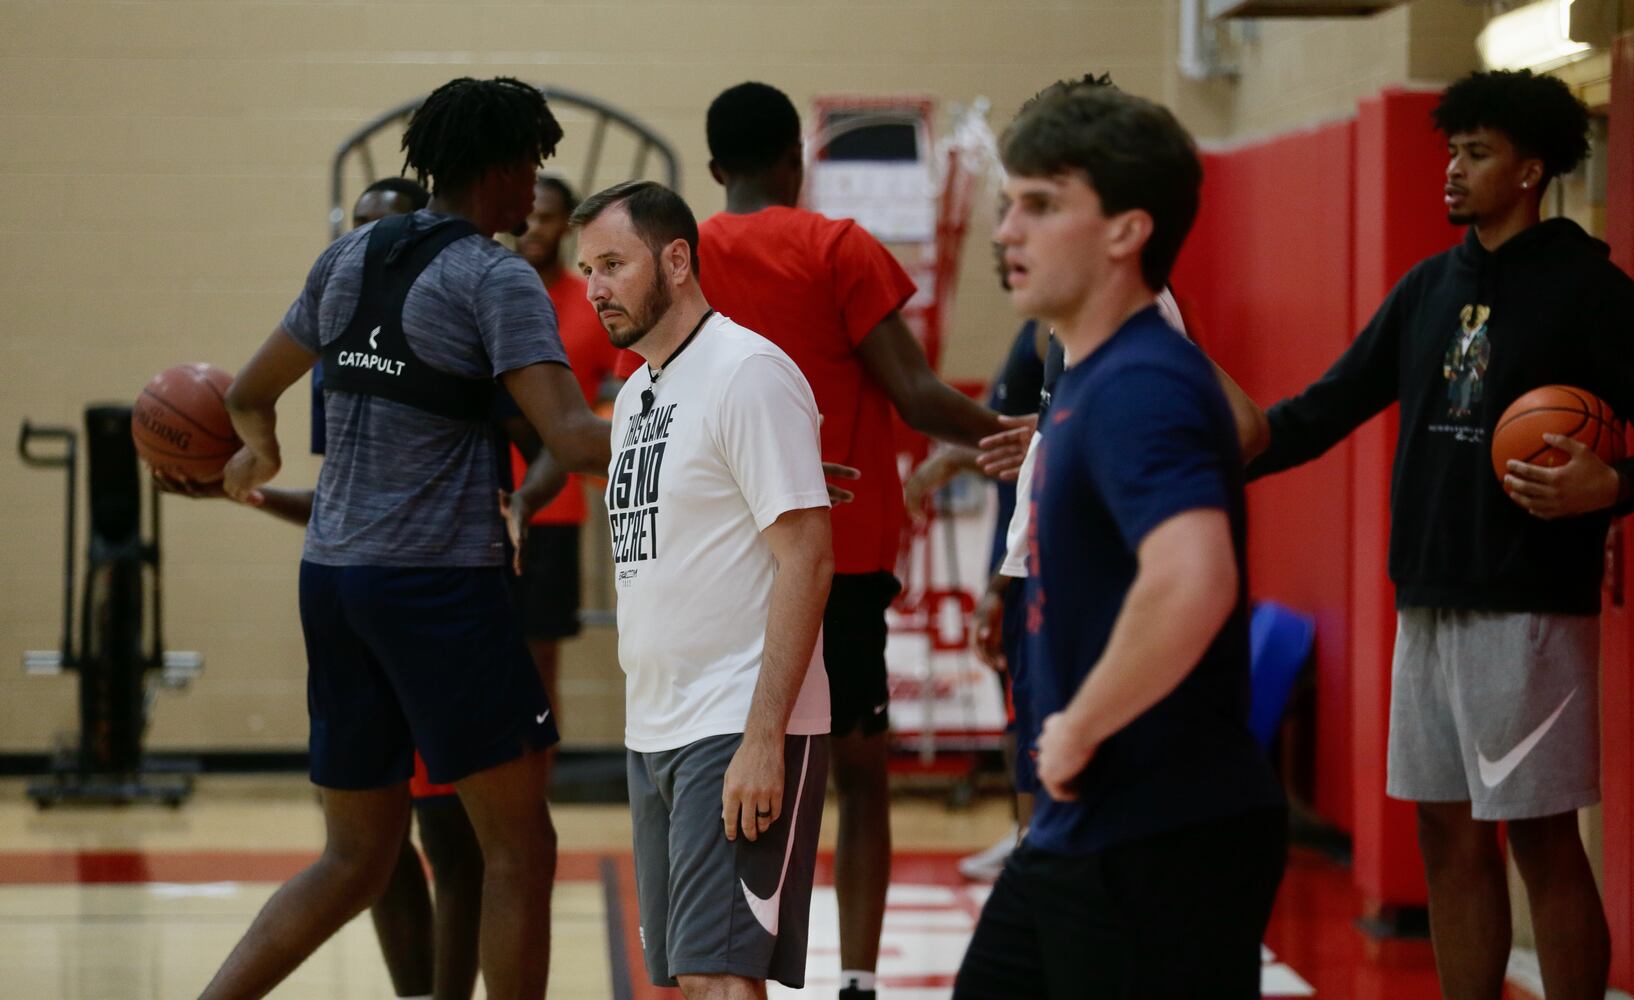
[728, 445]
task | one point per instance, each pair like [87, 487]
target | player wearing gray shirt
[400, 486]
[409, 636]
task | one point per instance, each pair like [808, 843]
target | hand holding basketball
[183, 486]
[180, 423]
[247, 470]
[1552, 451]
[1584, 484]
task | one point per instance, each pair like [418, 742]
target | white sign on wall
[893, 201]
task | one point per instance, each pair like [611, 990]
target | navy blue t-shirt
[1137, 433]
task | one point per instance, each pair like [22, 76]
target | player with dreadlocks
[1494, 713]
[409, 633]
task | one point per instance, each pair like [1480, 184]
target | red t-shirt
[816, 287]
[593, 358]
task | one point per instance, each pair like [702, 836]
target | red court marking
[134, 867]
[641, 987]
[1311, 929]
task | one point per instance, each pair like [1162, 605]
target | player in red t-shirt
[828, 294]
[547, 590]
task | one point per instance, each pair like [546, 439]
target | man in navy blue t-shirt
[1156, 849]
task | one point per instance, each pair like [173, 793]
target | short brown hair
[1133, 153]
[659, 215]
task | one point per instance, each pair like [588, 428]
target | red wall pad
[1267, 277]
[1617, 626]
[1400, 219]
[1299, 240]
[1268, 273]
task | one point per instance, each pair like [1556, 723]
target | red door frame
[1617, 625]
[1399, 221]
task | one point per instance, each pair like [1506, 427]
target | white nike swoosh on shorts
[766, 910]
[1493, 772]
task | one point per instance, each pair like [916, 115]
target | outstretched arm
[934, 473]
[1253, 430]
[893, 358]
[252, 402]
[1361, 383]
[550, 398]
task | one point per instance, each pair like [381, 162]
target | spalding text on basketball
[150, 422]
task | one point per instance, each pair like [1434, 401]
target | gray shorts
[712, 906]
[1500, 710]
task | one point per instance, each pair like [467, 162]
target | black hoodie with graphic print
[1459, 338]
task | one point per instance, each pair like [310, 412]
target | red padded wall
[1268, 274]
[1400, 166]
[1299, 239]
[1617, 625]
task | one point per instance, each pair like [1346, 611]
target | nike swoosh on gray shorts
[1498, 709]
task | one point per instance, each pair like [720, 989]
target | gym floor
[140, 903]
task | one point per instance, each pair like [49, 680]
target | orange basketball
[1554, 409]
[180, 422]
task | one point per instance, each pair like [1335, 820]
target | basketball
[1554, 409]
[180, 422]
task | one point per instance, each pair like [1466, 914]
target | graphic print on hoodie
[1464, 368]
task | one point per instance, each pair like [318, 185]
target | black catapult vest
[372, 357]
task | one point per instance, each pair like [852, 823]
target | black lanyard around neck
[647, 397]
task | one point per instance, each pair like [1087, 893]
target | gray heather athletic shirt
[400, 486]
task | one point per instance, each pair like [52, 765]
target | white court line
[926, 930]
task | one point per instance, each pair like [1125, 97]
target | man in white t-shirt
[720, 532]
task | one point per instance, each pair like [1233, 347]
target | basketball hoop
[606, 132]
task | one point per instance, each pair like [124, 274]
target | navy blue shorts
[399, 659]
[1013, 637]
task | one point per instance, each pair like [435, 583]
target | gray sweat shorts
[712, 906]
[1500, 710]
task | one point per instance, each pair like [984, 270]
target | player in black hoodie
[1494, 703]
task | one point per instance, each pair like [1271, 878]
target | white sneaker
[984, 866]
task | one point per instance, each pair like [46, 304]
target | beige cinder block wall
[165, 165]
[1291, 72]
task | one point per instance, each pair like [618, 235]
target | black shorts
[399, 659]
[1178, 915]
[546, 595]
[854, 651]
